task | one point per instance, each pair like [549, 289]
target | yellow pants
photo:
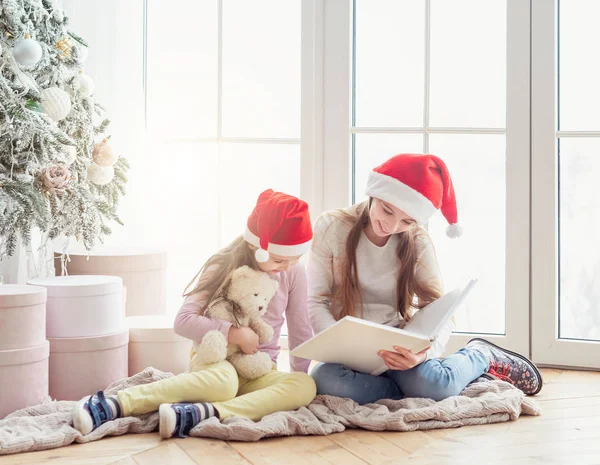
[220, 384]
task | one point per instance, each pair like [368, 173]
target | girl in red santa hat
[278, 232]
[376, 261]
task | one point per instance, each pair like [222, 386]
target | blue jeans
[433, 379]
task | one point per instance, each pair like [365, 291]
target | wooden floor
[568, 432]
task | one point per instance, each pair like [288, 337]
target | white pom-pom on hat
[261, 255]
[454, 231]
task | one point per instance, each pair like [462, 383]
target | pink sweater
[290, 301]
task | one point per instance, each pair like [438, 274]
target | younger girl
[278, 232]
[371, 261]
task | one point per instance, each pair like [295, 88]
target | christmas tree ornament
[86, 85]
[100, 175]
[64, 48]
[71, 153]
[56, 103]
[27, 51]
[103, 154]
[55, 179]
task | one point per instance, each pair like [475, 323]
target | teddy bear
[242, 300]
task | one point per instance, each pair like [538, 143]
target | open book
[355, 343]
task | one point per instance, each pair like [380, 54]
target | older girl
[376, 261]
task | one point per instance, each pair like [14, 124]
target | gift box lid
[16, 295]
[80, 285]
[114, 259]
[24, 356]
[88, 344]
[152, 328]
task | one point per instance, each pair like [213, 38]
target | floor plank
[169, 452]
[125, 461]
[106, 451]
[370, 447]
[297, 450]
[211, 451]
[413, 440]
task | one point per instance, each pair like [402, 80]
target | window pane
[374, 149]
[579, 68]
[261, 68]
[173, 202]
[468, 63]
[182, 68]
[579, 225]
[245, 170]
[390, 63]
[480, 253]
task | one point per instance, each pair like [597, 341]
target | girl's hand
[245, 338]
[403, 359]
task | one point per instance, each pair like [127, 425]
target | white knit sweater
[378, 270]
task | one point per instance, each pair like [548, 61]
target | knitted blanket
[49, 425]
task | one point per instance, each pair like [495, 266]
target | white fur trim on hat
[411, 202]
[277, 249]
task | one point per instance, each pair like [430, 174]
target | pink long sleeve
[296, 313]
[191, 324]
[189, 321]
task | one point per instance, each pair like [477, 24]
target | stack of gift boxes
[69, 336]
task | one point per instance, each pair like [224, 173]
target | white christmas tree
[58, 171]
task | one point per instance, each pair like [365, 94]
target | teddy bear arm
[220, 311]
[262, 329]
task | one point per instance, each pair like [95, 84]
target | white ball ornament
[86, 85]
[71, 152]
[103, 154]
[56, 103]
[100, 175]
[27, 52]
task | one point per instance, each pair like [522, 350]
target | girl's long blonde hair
[345, 299]
[235, 255]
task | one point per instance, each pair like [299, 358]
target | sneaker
[179, 419]
[509, 366]
[93, 411]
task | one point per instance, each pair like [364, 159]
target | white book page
[430, 320]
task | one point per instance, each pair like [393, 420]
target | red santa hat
[280, 224]
[418, 185]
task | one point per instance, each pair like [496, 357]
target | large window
[566, 141]
[222, 111]
[441, 77]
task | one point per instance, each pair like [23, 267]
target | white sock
[115, 406]
[206, 410]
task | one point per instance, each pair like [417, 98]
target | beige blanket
[49, 425]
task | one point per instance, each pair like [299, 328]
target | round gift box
[85, 365]
[153, 343]
[23, 377]
[81, 306]
[144, 273]
[22, 316]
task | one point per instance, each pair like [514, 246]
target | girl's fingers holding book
[395, 361]
[424, 351]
